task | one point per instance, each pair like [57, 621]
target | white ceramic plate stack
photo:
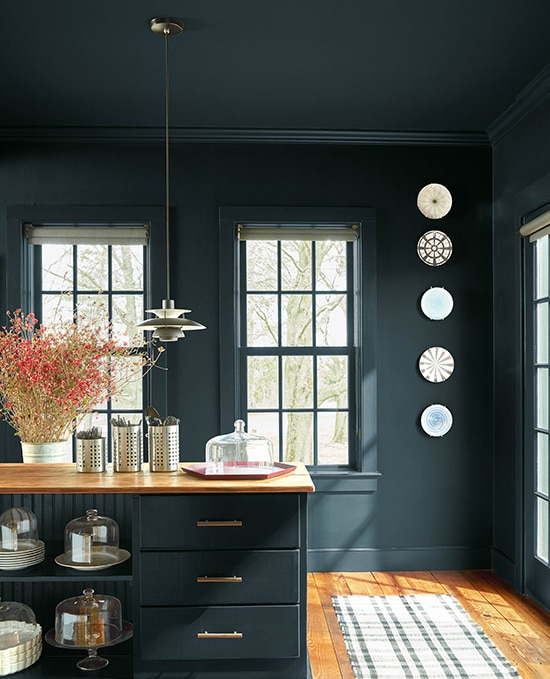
[26, 645]
[25, 556]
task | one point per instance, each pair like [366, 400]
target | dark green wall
[433, 505]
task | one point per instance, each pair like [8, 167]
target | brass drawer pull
[219, 635]
[213, 578]
[219, 524]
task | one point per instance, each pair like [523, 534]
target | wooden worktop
[63, 478]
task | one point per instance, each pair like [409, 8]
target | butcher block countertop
[63, 478]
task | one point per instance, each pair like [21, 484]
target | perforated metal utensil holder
[91, 455]
[127, 448]
[164, 447]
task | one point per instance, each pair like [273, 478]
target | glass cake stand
[92, 661]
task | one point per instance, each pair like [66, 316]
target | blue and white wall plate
[437, 303]
[436, 420]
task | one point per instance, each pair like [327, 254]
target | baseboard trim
[504, 567]
[399, 559]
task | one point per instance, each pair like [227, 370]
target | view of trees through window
[100, 281]
[297, 342]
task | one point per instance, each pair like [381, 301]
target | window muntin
[296, 347]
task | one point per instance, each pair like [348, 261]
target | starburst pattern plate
[436, 364]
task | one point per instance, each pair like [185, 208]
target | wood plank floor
[519, 628]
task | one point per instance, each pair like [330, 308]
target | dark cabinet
[222, 586]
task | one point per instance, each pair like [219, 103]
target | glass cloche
[18, 529]
[91, 542]
[238, 451]
[89, 621]
[19, 543]
[20, 637]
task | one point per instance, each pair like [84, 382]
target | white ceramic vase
[56, 451]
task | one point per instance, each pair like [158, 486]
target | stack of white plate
[20, 645]
[26, 555]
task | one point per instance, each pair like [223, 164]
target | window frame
[20, 267]
[363, 468]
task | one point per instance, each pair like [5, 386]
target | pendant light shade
[170, 323]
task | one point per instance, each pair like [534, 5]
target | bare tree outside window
[297, 345]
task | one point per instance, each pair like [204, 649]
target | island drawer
[196, 522]
[219, 632]
[219, 577]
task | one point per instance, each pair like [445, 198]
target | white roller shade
[87, 235]
[301, 232]
[536, 228]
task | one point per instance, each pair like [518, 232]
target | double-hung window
[95, 267]
[301, 337]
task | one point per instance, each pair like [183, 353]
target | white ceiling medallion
[434, 201]
[436, 420]
[436, 303]
[434, 248]
[436, 364]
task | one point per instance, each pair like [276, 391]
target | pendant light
[170, 323]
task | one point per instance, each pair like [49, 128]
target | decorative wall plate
[436, 364]
[436, 420]
[434, 201]
[437, 303]
[434, 248]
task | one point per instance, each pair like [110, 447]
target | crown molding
[238, 135]
[537, 91]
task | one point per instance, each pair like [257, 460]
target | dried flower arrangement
[51, 377]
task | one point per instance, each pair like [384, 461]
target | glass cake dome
[88, 620]
[20, 637]
[18, 529]
[238, 450]
[91, 542]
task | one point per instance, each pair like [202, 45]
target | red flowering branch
[50, 377]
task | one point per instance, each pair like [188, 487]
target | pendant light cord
[167, 164]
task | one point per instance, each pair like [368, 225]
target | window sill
[348, 481]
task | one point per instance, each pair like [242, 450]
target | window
[300, 346]
[541, 394]
[98, 271]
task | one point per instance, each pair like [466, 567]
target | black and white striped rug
[416, 637]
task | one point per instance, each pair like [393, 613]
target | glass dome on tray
[19, 543]
[239, 455]
[90, 621]
[20, 637]
[91, 543]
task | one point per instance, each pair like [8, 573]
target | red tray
[239, 470]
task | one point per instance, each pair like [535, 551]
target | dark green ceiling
[452, 65]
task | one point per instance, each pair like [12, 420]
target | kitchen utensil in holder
[127, 448]
[164, 447]
[91, 455]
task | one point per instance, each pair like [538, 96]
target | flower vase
[56, 451]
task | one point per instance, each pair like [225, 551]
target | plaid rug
[416, 637]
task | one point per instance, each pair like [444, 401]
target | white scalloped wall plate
[436, 303]
[436, 364]
[434, 201]
[436, 420]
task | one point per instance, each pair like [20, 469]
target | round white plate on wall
[434, 248]
[436, 364]
[436, 420]
[436, 303]
[434, 201]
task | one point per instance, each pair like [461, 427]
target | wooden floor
[516, 626]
